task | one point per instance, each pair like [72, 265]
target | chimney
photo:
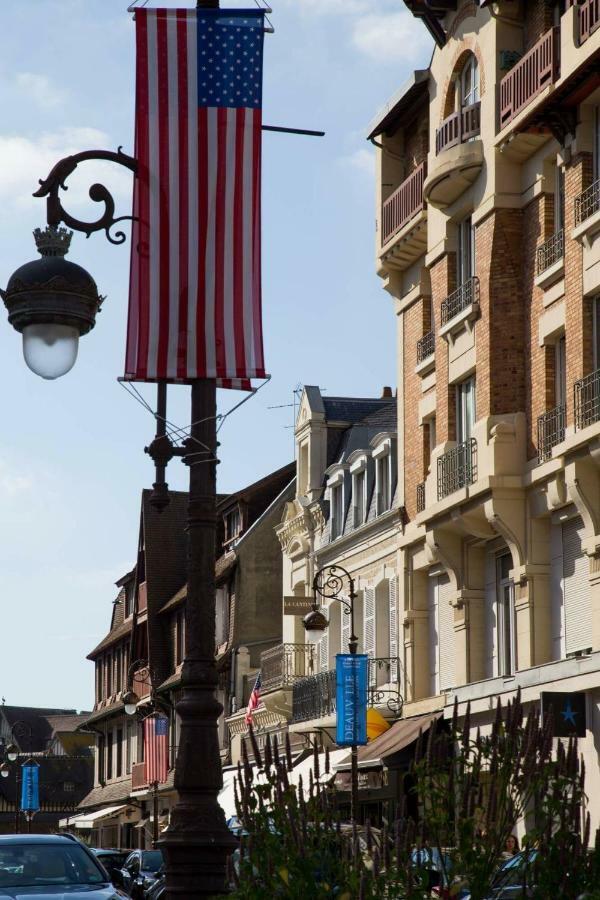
[387, 393]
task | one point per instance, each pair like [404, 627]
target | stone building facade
[488, 242]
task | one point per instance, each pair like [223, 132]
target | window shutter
[445, 633]
[434, 635]
[324, 652]
[394, 674]
[369, 628]
[576, 589]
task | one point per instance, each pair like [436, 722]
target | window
[559, 199]
[465, 257]
[597, 143]
[101, 758]
[68, 787]
[560, 372]
[358, 497]
[179, 637]
[505, 621]
[596, 332]
[469, 82]
[128, 748]
[465, 409]
[109, 756]
[233, 524]
[337, 511]
[119, 749]
[430, 439]
[382, 475]
[118, 670]
[109, 674]
[99, 685]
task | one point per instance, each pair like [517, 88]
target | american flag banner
[254, 700]
[195, 277]
[156, 749]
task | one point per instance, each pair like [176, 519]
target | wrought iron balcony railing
[457, 468]
[314, 697]
[588, 202]
[425, 347]
[421, 497]
[534, 71]
[589, 18]
[403, 204]
[458, 127]
[550, 251]
[587, 400]
[460, 299]
[281, 666]
[551, 431]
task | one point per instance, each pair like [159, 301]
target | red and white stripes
[195, 285]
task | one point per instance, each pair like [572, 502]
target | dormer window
[233, 524]
[337, 510]
[382, 453]
[359, 485]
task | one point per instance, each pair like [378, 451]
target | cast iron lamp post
[52, 303]
[328, 583]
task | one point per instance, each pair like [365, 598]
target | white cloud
[13, 483]
[361, 160]
[392, 38]
[40, 89]
[24, 160]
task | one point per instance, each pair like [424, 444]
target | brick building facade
[489, 246]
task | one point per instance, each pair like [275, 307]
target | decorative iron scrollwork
[56, 180]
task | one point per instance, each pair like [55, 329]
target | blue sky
[71, 452]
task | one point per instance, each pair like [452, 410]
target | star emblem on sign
[568, 714]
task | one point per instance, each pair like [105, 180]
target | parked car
[32, 865]
[508, 880]
[158, 891]
[140, 871]
[113, 861]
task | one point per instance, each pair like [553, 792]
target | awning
[142, 823]
[304, 768]
[227, 795]
[71, 821]
[89, 820]
[401, 735]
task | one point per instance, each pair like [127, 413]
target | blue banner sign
[351, 699]
[30, 787]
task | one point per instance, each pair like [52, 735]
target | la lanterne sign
[351, 699]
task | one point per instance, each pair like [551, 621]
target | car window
[48, 864]
[152, 860]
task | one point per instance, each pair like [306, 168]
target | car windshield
[46, 864]
[152, 860]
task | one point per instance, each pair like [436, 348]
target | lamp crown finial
[53, 240]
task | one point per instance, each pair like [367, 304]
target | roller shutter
[576, 588]
[446, 637]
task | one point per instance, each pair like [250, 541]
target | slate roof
[54, 772]
[386, 418]
[352, 409]
[115, 792]
[112, 637]
[60, 724]
[37, 720]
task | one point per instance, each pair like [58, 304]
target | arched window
[468, 83]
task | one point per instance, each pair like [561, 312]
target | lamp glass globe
[50, 350]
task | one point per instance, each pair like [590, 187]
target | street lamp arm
[56, 180]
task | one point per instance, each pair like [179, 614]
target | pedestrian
[511, 847]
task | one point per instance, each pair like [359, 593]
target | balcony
[461, 305]
[589, 18]
[588, 202]
[551, 431]
[536, 70]
[550, 260]
[420, 497]
[138, 776]
[457, 468]
[459, 157]
[283, 665]
[425, 347]
[460, 126]
[314, 697]
[403, 221]
[587, 400]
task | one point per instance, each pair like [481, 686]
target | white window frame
[359, 497]
[469, 82]
[335, 487]
[466, 409]
[465, 256]
[506, 655]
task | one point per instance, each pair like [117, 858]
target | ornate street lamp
[19, 731]
[329, 583]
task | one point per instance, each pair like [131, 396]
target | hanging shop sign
[30, 787]
[568, 712]
[351, 699]
[297, 606]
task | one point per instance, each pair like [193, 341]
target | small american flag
[254, 701]
[156, 749]
[195, 282]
